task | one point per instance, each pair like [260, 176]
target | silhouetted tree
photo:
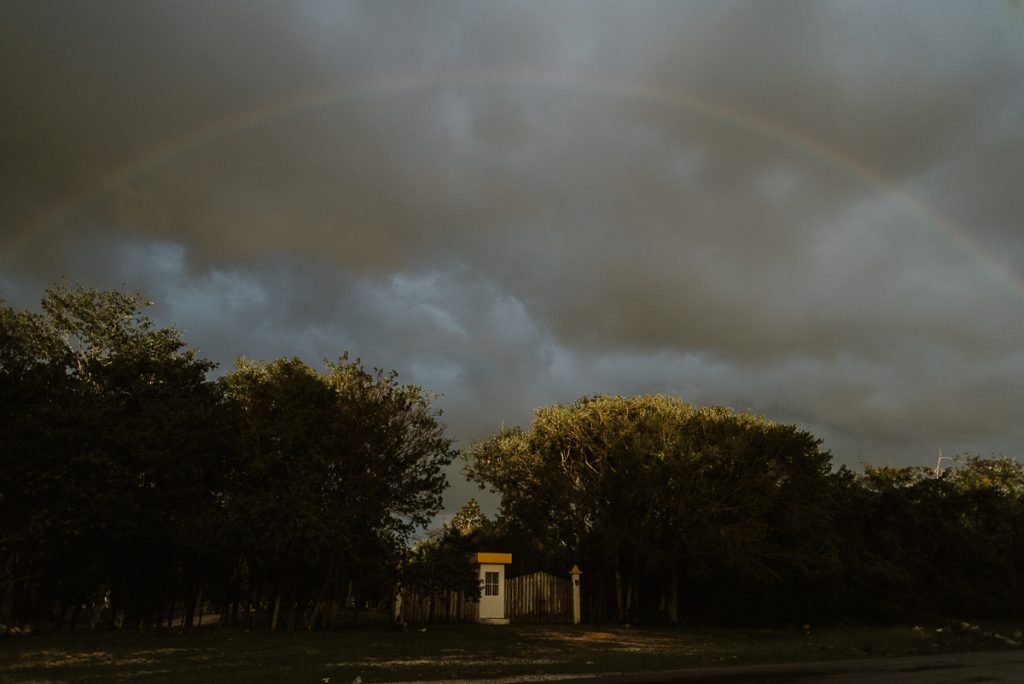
[654, 496]
[334, 471]
[108, 447]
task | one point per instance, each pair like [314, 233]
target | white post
[398, 604]
[574, 574]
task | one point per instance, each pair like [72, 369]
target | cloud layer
[811, 210]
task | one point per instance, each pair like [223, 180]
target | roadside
[486, 653]
[981, 666]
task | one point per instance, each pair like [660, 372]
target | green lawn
[487, 653]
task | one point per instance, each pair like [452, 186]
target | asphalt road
[957, 668]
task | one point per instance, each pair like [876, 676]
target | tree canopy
[135, 489]
[132, 482]
[675, 510]
[334, 471]
[108, 446]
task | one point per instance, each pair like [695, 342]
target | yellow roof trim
[495, 558]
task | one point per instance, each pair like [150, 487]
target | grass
[487, 653]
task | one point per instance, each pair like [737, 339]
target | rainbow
[237, 122]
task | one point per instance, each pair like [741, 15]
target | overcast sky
[812, 210]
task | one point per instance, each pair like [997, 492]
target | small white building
[492, 587]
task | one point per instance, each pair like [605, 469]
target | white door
[492, 592]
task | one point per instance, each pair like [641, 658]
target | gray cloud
[810, 210]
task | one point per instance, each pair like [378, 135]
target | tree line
[135, 489]
[678, 512]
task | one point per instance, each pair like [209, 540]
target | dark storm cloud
[808, 209]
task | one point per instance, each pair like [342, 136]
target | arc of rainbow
[238, 122]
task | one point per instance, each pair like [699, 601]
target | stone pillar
[574, 575]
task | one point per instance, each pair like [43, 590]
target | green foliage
[652, 495]
[439, 564]
[131, 483]
[107, 449]
[468, 522]
[442, 562]
[334, 471]
[134, 489]
[732, 517]
[949, 545]
[336, 454]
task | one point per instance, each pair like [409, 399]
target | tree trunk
[177, 586]
[7, 599]
[619, 605]
[196, 606]
[352, 600]
[249, 619]
[115, 606]
[318, 602]
[293, 592]
[187, 603]
[277, 608]
[334, 612]
[289, 623]
[673, 596]
[233, 595]
[62, 616]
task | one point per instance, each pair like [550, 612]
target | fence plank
[538, 598]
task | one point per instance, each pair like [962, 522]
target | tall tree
[927, 544]
[335, 470]
[652, 492]
[107, 424]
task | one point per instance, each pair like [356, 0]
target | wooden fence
[446, 606]
[539, 598]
